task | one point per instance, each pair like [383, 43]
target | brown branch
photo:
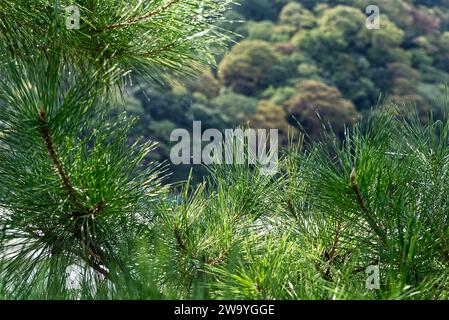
[218, 260]
[179, 240]
[183, 248]
[292, 209]
[94, 261]
[361, 203]
[151, 14]
[49, 145]
[94, 255]
[160, 50]
[67, 184]
[98, 207]
[356, 190]
[446, 254]
[333, 251]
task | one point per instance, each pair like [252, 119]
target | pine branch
[183, 248]
[132, 21]
[361, 203]
[47, 201]
[179, 240]
[292, 209]
[94, 254]
[333, 251]
[67, 184]
[157, 52]
[218, 260]
[48, 141]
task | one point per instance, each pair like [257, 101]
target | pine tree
[76, 199]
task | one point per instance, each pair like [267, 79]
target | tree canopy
[285, 43]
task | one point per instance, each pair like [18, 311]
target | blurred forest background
[293, 59]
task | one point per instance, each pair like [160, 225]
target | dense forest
[293, 59]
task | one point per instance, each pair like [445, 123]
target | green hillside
[294, 59]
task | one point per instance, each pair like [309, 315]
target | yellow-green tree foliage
[207, 84]
[244, 68]
[316, 104]
[271, 116]
[294, 14]
[405, 104]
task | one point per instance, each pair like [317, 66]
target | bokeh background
[290, 60]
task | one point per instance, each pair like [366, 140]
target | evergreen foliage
[75, 197]
[85, 216]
